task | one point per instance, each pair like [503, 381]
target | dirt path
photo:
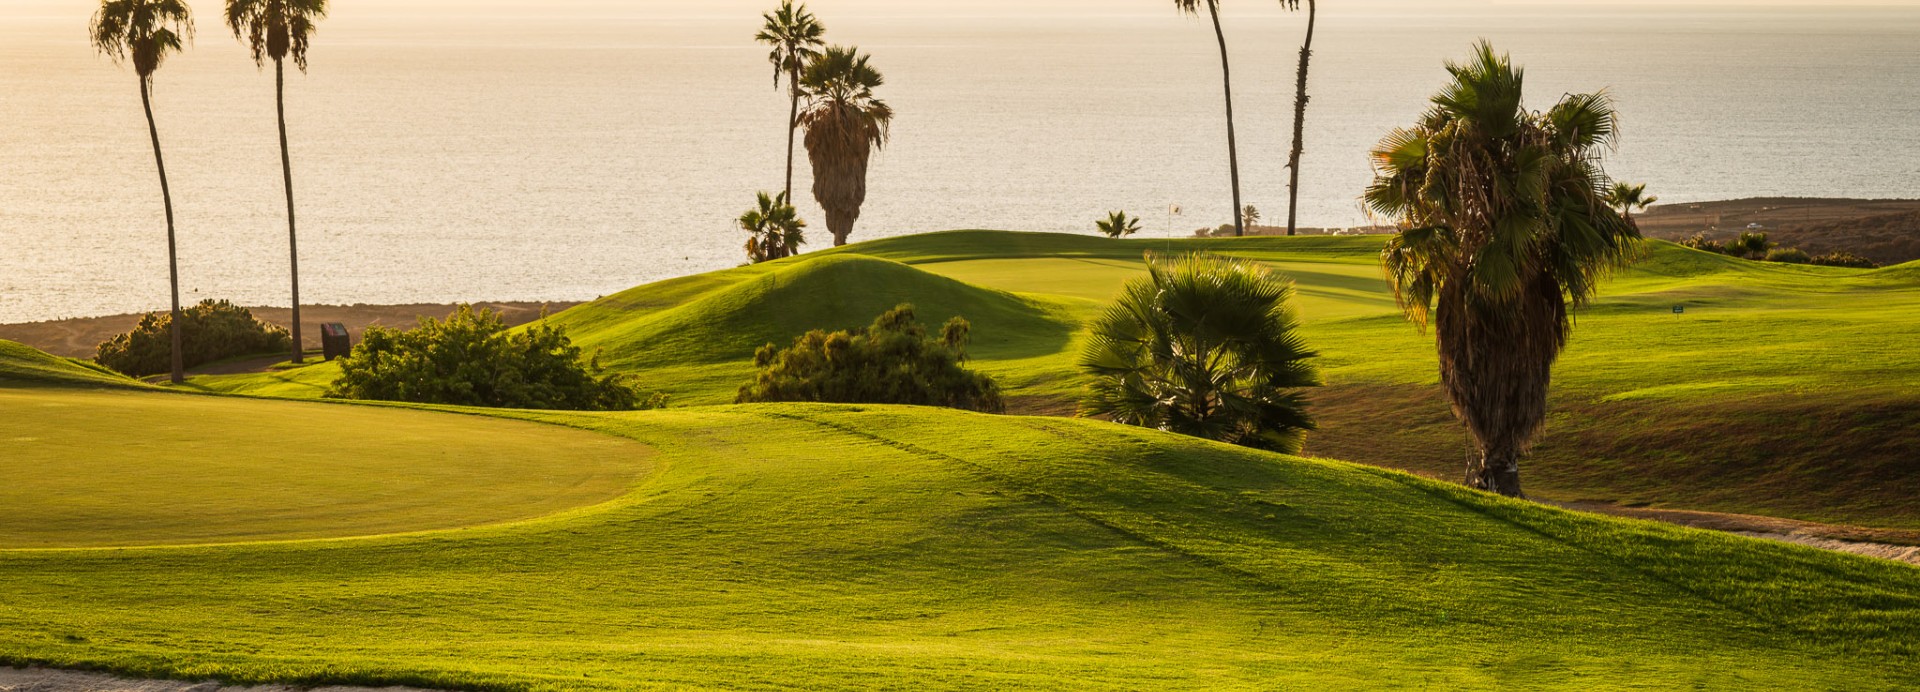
[1900, 545]
[81, 337]
[48, 680]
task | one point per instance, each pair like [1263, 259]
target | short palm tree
[145, 32]
[1118, 225]
[796, 39]
[276, 30]
[1299, 116]
[1204, 346]
[1505, 228]
[1226, 75]
[775, 227]
[845, 122]
[1628, 198]
[1251, 216]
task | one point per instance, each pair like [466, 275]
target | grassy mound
[701, 349]
[23, 365]
[832, 547]
[106, 468]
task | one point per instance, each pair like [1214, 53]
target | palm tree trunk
[1299, 126]
[286, 170]
[1233, 146]
[793, 125]
[173, 254]
[1496, 470]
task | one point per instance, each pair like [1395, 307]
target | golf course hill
[856, 546]
[1695, 381]
[20, 364]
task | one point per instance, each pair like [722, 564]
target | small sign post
[1679, 309]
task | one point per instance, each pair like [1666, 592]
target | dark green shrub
[1845, 259]
[1792, 255]
[894, 361]
[214, 330]
[1700, 241]
[1204, 346]
[471, 359]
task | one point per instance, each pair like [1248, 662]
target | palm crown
[276, 29]
[143, 31]
[796, 38]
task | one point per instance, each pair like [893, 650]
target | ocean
[526, 150]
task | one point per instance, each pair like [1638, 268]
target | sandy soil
[1886, 231]
[47, 680]
[78, 338]
[1901, 545]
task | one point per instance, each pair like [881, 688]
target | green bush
[894, 361]
[1700, 241]
[1204, 346]
[214, 330]
[1792, 255]
[471, 359]
[1845, 259]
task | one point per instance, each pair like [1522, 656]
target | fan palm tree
[1118, 225]
[775, 227]
[145, 32]
[1204, 346]
[1628, 198]
[796, 38]
[1299, 117]
[1505, 228]
[845, 122]
[1192, 7]
[1251, 215]
[276, 30]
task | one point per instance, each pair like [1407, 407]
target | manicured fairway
[123, 468]
[831, 547]
[1783, 390]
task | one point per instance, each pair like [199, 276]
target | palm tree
[147, 31]
[776, 228]
[1251, 215]
[276, 30]
[796, 39]
[845, 123]
[1118, 225]
[1505, 228]
[1204, 346]
[1299, 117]
[1226, 75]
[1628, 198]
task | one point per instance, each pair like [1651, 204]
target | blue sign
[1679, 309]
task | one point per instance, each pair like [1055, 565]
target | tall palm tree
[796, 38]
[276, 30]
[1192, 7]
[1505, 228]
[1299, 117]
[146, 32]
[775, 229]
[845, 123]
[1204, 346]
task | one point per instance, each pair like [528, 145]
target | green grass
[1782, 390]
[94, 468]
[22, 364]
[830, 547]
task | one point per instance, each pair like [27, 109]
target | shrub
[1792, 255]
[1204, 346]
[471, 359]
[1750, 246]
[894, 361]
[1700, 241]
[212, 331]
[1845, 259]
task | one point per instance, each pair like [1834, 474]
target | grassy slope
[812, 546]
[22, 364]
[94, 467]
[1783, 390]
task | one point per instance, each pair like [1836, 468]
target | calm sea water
[565, 150]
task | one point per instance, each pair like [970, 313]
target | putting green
[127, 468]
